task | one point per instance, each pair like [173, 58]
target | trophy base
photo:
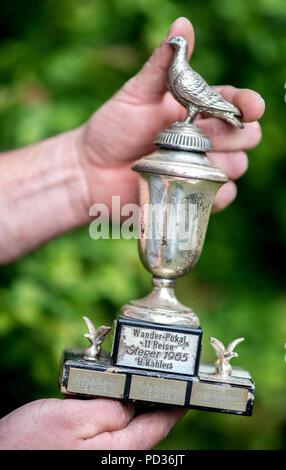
[82, 378]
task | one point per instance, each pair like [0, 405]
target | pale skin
[48, 188]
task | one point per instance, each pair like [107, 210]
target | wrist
[77, 188]
[43, 193]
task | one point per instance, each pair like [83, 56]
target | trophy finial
[96, 338]
[193, 92]
[224, 354]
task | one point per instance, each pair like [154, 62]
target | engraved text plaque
[172, 392]
[162, 350]
[91, 382]
[219, 396]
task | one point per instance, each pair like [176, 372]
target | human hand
[123, 129]
[50, 186]
[72, 424]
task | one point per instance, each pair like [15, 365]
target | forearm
[43, 193]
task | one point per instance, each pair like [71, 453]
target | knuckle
[225, 88]
[228, 89]
[120, 413]
[50, 413]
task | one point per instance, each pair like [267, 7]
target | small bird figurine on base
[224, 354]
[96, 338]
[193, 92]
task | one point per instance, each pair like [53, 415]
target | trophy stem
[161, 306]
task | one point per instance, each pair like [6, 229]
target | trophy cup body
[175, 206]
[156, 350]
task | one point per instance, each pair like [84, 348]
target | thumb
[149, 84]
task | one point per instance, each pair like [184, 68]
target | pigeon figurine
[223, 367]
[96, 338]
[193, 92]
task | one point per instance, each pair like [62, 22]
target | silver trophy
[177, 184]
[157, 340]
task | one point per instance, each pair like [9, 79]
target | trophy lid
[181, 154]
[180, 164]
[184, 136]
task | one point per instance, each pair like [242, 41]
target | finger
[170, 110]
[227, 138]
[233, 164]
[149, 84]
[99, 415]
[144, 432]
[225, 195]
[250, 103]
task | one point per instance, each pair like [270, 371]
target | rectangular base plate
[234, 395]
[150, 346]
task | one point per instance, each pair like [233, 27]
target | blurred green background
[59, 61]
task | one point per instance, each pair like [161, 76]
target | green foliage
[59, 61]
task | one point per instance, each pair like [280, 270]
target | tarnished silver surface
[174, 218]
[184, 136]
[96, 338]
[238, 377]
[180, 164]
[162, 350]
[178, 184]
[161, 306]
[224, 354]
[91, 382]
[221, 396]
[172, 392]
[177, 189]
[175, 214]
[192, 91]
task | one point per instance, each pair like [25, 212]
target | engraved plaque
[219, 396]
[162, 350]
[92, 382]
[167, 391]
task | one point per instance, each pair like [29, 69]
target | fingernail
[261, 101]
